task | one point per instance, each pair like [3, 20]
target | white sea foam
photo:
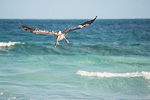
[7, 44]
[11, 98]
[143, 74]
[1, 93]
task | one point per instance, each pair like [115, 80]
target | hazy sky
[74, 9]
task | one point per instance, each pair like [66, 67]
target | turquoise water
[108, 60]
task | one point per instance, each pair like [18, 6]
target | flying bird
[60, 35]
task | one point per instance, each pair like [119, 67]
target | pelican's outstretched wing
[80, 26]
[37, 31]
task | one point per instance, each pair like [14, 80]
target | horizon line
[67, 18]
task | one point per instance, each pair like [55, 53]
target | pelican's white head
[59, 32]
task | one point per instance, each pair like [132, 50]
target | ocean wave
[143, 74]
[7, 44]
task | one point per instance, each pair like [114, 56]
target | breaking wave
[7, 44]
[143, 74]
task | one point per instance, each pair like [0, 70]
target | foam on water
[7, 44]
[1, 93]
[11, 98]
[143, 74]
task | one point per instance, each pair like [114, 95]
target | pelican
[60, 35]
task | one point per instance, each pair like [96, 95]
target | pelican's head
[59, 32]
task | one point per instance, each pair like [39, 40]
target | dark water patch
[103, 37]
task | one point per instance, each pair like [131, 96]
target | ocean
[108, 60]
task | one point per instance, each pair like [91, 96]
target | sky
[74, 9]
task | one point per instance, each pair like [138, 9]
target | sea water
[108, 60]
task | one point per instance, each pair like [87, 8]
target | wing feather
[80, 26]
[38, 31]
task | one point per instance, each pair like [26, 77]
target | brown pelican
[60, 35]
